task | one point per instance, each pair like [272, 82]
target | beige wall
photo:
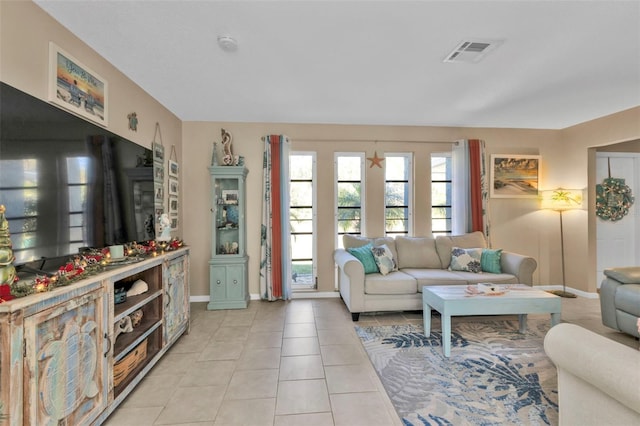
[516, 224]
[25, 33]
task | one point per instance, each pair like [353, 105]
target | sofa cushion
[384, 259]
[434, 277]
[627, 299]
[396, 282]
[358, 241]
[445, 243]
[490, 261]
[365, 256]
[417, 252]
[467, 260]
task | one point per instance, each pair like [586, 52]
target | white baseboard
[335, 294]
[580, 293]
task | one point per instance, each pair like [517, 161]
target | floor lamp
[561, 200]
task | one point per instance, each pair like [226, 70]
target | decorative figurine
[226, 147]
[165, 228]
[133, 121]
[7, 270]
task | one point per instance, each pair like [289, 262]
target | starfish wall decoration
[375, 160]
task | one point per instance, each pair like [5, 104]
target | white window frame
[361, 155]
[410, 186]
[314, 216]
[443, 155]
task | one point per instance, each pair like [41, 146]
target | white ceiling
[371, 62]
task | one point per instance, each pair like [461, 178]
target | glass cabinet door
[227, 226]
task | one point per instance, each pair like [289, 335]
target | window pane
[349, 194]
[77, 170]
[302, 272]
[396, 194]
[301, 193]
[77, 198]
[441, 194]
[349, 168]
[440, 168]
[302, 246]
[301, 167]
[18, 173]
[396, 168]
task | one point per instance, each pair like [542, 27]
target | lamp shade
[561, 199]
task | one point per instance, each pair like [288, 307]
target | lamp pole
[563, 292]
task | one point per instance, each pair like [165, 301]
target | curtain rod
[366, 140]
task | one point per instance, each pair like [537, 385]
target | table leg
[555, 318]
[522, 319]
[426, 319]
[446, 334]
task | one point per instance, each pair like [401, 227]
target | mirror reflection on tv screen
[67, 183]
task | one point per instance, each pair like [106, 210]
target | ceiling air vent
[472, 51]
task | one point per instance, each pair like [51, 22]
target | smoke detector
[227, 43]
[472, 51]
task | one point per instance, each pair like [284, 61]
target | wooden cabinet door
[235, 282]
[176, 306]
[65, 366]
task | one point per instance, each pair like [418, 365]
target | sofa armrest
[519, 265]
[598, 378]
[350, 280]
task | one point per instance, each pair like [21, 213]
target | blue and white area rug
[495, 375]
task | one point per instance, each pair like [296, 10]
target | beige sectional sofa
[598, 378]
[421, 261]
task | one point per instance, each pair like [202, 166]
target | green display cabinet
[228, 284]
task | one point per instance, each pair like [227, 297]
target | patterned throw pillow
[364, 255]
[467, 260]
[490, 261]
[384, 259]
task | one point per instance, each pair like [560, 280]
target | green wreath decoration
[613, 199]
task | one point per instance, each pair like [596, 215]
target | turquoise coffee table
[452, 300]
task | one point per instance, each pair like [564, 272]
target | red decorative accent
[476, 186]
[5, 293]
[276, 228]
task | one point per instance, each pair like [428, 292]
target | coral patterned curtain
[470, 188]
[275, 253]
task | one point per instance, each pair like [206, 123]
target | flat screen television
[67, 183]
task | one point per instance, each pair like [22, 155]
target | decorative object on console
[165, 228]
[514, 176]
[123, 326]
[119, 295]
[7, 271]
[228, 159]
[75, 87]
[613, 198]
[560, 200]
[137, 288]
[133, 121]
[136, 318]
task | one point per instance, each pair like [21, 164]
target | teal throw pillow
[467, 260]
[384, 259]
[490, 261]
[365, 256]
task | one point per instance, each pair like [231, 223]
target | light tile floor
[282, 364]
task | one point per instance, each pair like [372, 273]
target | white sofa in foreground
[598, 378]
[421, 261]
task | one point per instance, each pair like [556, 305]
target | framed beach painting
[514, 176]
[75, 87]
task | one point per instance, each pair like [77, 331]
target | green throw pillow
[490, 261]
[365, 256]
